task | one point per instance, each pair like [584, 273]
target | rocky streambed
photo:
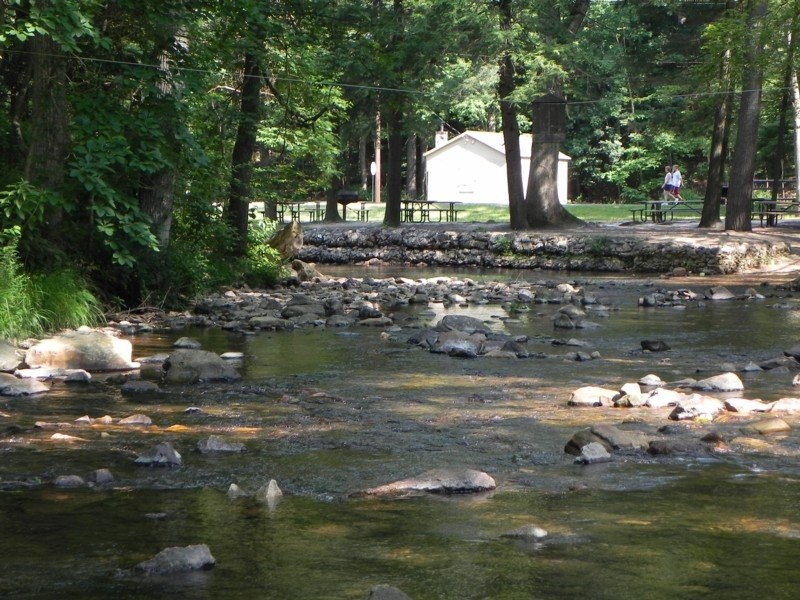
[705, 401]
[347, 389]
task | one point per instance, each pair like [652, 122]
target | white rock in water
[269, 494]
[725, 382]
[529, 532]
[591, 395]
[697, 407]
[790, 405]
[234, 492]
[742, 405]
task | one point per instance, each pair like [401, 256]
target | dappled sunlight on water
[330, 412]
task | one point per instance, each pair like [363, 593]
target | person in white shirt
[667, 186]
[677, 181]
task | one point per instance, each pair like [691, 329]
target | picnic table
[422, 211]
[772, 210]
[660, 211]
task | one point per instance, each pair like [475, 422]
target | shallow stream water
[329, 412]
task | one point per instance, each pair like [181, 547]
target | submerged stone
[177, 559]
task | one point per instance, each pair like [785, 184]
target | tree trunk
[363, 167]
[411, 166]
[156, 198]
[780, 146]
[331, 202]
[376, 181]
[549, 131]
[48, 139]
[796, 98]
[394, 176]
[420, 168]
[156, 192]
[739, 213]
[718, 152]
[237, 211]
[510, 126]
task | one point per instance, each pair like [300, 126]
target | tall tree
[739, 210]
[237, 210]
[509, 121]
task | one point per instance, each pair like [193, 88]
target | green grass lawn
[493, 213]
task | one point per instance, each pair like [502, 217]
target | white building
[471, 168]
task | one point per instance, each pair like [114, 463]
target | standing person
[677, 181]
[667, 186]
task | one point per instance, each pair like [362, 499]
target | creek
[328, 412]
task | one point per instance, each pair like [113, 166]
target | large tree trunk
[332, 201]
[718, 153]
[543, 208]
[394, 175]
[156, 198]
[780, 148]
[549, 131]
[796, 99]
[510, 126]
[739, 213]
[237, 211]
[157, 190]
[48, 139]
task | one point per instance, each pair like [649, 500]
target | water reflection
[328, 412]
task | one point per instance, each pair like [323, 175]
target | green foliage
[504, 245]
[18, 316]
[24, 205]
[197, 260]
[33, 304]
[66, 21]
[65, 300]
[263, 263]
[598, 245]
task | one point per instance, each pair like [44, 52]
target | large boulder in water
[437, 481]
[87, 349]
[386, 592]
[192, 366]
[177, 559]
[9, 359]
[461, 323]
[14, 386]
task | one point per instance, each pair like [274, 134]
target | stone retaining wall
[592, 249]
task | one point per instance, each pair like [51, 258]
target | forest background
[134, 135]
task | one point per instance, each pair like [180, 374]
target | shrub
[18, 316]
[263, 265]
[33, 304]
[64, 300]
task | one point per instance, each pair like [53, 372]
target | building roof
[494, 140]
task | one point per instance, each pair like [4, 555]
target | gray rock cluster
[598, 443]
[579, 250]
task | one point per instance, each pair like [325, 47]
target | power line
[360, 86]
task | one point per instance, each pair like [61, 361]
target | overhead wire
[356, 86]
